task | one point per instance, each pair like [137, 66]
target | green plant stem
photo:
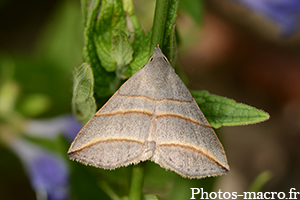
[137, 179]
[260, 181]
[159, 24]
[158, 31]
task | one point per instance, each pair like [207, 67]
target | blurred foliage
[115, 47]
[260, 181]
[37, 84]
[44, 75]
[193, 8]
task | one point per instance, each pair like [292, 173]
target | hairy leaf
[121, 50]
[102, 77]
[83, 102]
[221, 111]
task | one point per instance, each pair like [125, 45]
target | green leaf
[102, 77]
[112, 16]
[83, 102]
[136, 32]
[141, 56]
[89, 50]
[139, 35]
[128, 7]
[121, 50]
[101, 41]
[221, 111]
[193, 8]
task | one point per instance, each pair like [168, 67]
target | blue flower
[48, 173]
[49, 128]
[285, 13]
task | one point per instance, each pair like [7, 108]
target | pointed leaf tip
[221, 111]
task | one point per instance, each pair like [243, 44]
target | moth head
[158, 55]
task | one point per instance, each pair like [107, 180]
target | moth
[153, 117]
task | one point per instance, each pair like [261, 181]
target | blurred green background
[230, 51]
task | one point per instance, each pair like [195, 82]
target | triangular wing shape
[185, 142]
[117, 134]
[153, 115]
